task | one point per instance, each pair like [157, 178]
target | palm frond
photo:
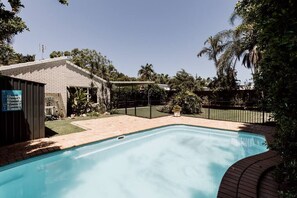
[205, 50]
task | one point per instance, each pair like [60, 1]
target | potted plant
[176, 110]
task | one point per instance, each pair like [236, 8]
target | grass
[216, 114]
[63, 127]
[236, 115]
[143, 112]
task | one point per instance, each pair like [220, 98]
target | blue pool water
[175, 161]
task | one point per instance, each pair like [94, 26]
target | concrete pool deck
[241, 180]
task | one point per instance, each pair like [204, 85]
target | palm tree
[239, 43]
[213, 50]
[146, 72]
[248, 41]
[162, 78]
[224, 49]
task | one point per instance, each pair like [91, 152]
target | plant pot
[176, 114]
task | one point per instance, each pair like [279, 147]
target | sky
[131, 33]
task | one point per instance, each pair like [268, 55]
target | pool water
[174, 161]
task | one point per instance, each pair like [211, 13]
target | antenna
[42, 48]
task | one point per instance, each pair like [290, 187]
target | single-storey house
[60, 76]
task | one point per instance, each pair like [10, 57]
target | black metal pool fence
[216, 110]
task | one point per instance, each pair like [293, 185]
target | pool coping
[235, 183]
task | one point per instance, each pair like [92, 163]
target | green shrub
[189, 102]
[114, 111]
[164, 109]
[93, 114]
[275, 30]
[157, 94]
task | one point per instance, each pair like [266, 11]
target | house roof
[9, 77]
[28, 64]
[51, 60]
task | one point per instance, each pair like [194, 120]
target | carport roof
[131, 83]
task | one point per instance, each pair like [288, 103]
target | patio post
[150, 111]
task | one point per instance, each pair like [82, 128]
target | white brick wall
[57, 76]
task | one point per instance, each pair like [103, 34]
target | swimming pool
[173, 161]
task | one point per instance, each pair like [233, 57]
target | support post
[150, 111]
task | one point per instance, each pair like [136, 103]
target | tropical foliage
[182, 81]
[155, 93]
[265, 42]
[79, 102]
[189, 102]
[221, 50]
[93, 61]
[146, 72]
[162, 78]
[8, 56]
[185, 81]
[213, 50]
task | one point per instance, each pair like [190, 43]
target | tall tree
[146, 72]
[182, 81]
[222, 51]
[275, 34]
[162, 78]
[10, 25]
[247, 45]
[92, 61]
[213, 50]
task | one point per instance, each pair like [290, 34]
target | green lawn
[143, 112]
[63, 127]
[216, 114]
[234, 115]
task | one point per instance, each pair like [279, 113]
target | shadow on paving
[49, 132]
[267, 129]
[25, 150]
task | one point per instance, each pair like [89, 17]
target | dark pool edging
[243, 178]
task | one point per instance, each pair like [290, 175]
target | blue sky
[131, 33]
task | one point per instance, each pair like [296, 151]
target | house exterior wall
[57, 76]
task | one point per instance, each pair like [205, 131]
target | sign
[11, 100]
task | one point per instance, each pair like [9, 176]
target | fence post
[126, 105]
[135, 107]
[150, 111]
[208, 116]
[263, 112]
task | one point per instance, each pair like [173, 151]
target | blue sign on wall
[11, 100]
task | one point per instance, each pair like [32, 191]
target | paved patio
[241, 180]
